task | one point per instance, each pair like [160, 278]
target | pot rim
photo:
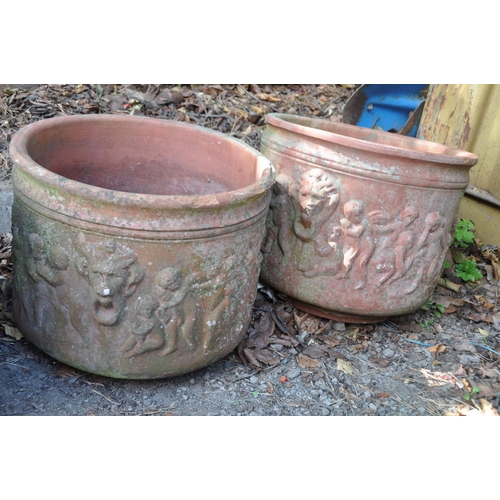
[23, 161]
[425, 150]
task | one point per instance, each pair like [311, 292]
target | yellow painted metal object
[468, 117]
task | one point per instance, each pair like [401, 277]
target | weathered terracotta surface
[360, 219]
[136, 242]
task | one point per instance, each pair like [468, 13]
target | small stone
[372, 406]
[388, 353]
[293, 373]
[339, 327]
[468, 359]
[465, 347]
[192, 381]
[254, 379]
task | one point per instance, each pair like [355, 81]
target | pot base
[343, 317]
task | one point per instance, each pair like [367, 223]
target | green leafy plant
[484, 334]
[467, 270]
[427, 323]
[434, 308]
[464, 233]
[468, 396]
[436, 311]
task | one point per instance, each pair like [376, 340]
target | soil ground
[443, 360]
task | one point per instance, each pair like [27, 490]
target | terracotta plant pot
[360, 219]
[136, 242]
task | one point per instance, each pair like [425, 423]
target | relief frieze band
[100, 288]
[315, 226]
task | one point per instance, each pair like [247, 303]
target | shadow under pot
[136, 242]
[360, 219]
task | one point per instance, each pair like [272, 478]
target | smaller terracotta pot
[136, 242]
[360, 219]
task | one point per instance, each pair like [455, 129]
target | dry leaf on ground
[13, 332]
[259, 338]
[67, 372]
[344, 366]
[251, 358]
[307, 362]
[437, 349]
[447, 301]
[329, 341]
[351, 334]
[266, 356]
[309, 323]
[384, 363]
[314, 352]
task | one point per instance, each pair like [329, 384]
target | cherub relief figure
[359, 243]
[38, 290]
[146, 329]
[394, 247]
[170, 290]
[215, 304]
[429, 250]
[113, 273]
[178, 309]
[46, 271]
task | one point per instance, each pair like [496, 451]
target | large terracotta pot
[360, 219]
[136, 242]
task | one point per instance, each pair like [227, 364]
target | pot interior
[144, 156]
